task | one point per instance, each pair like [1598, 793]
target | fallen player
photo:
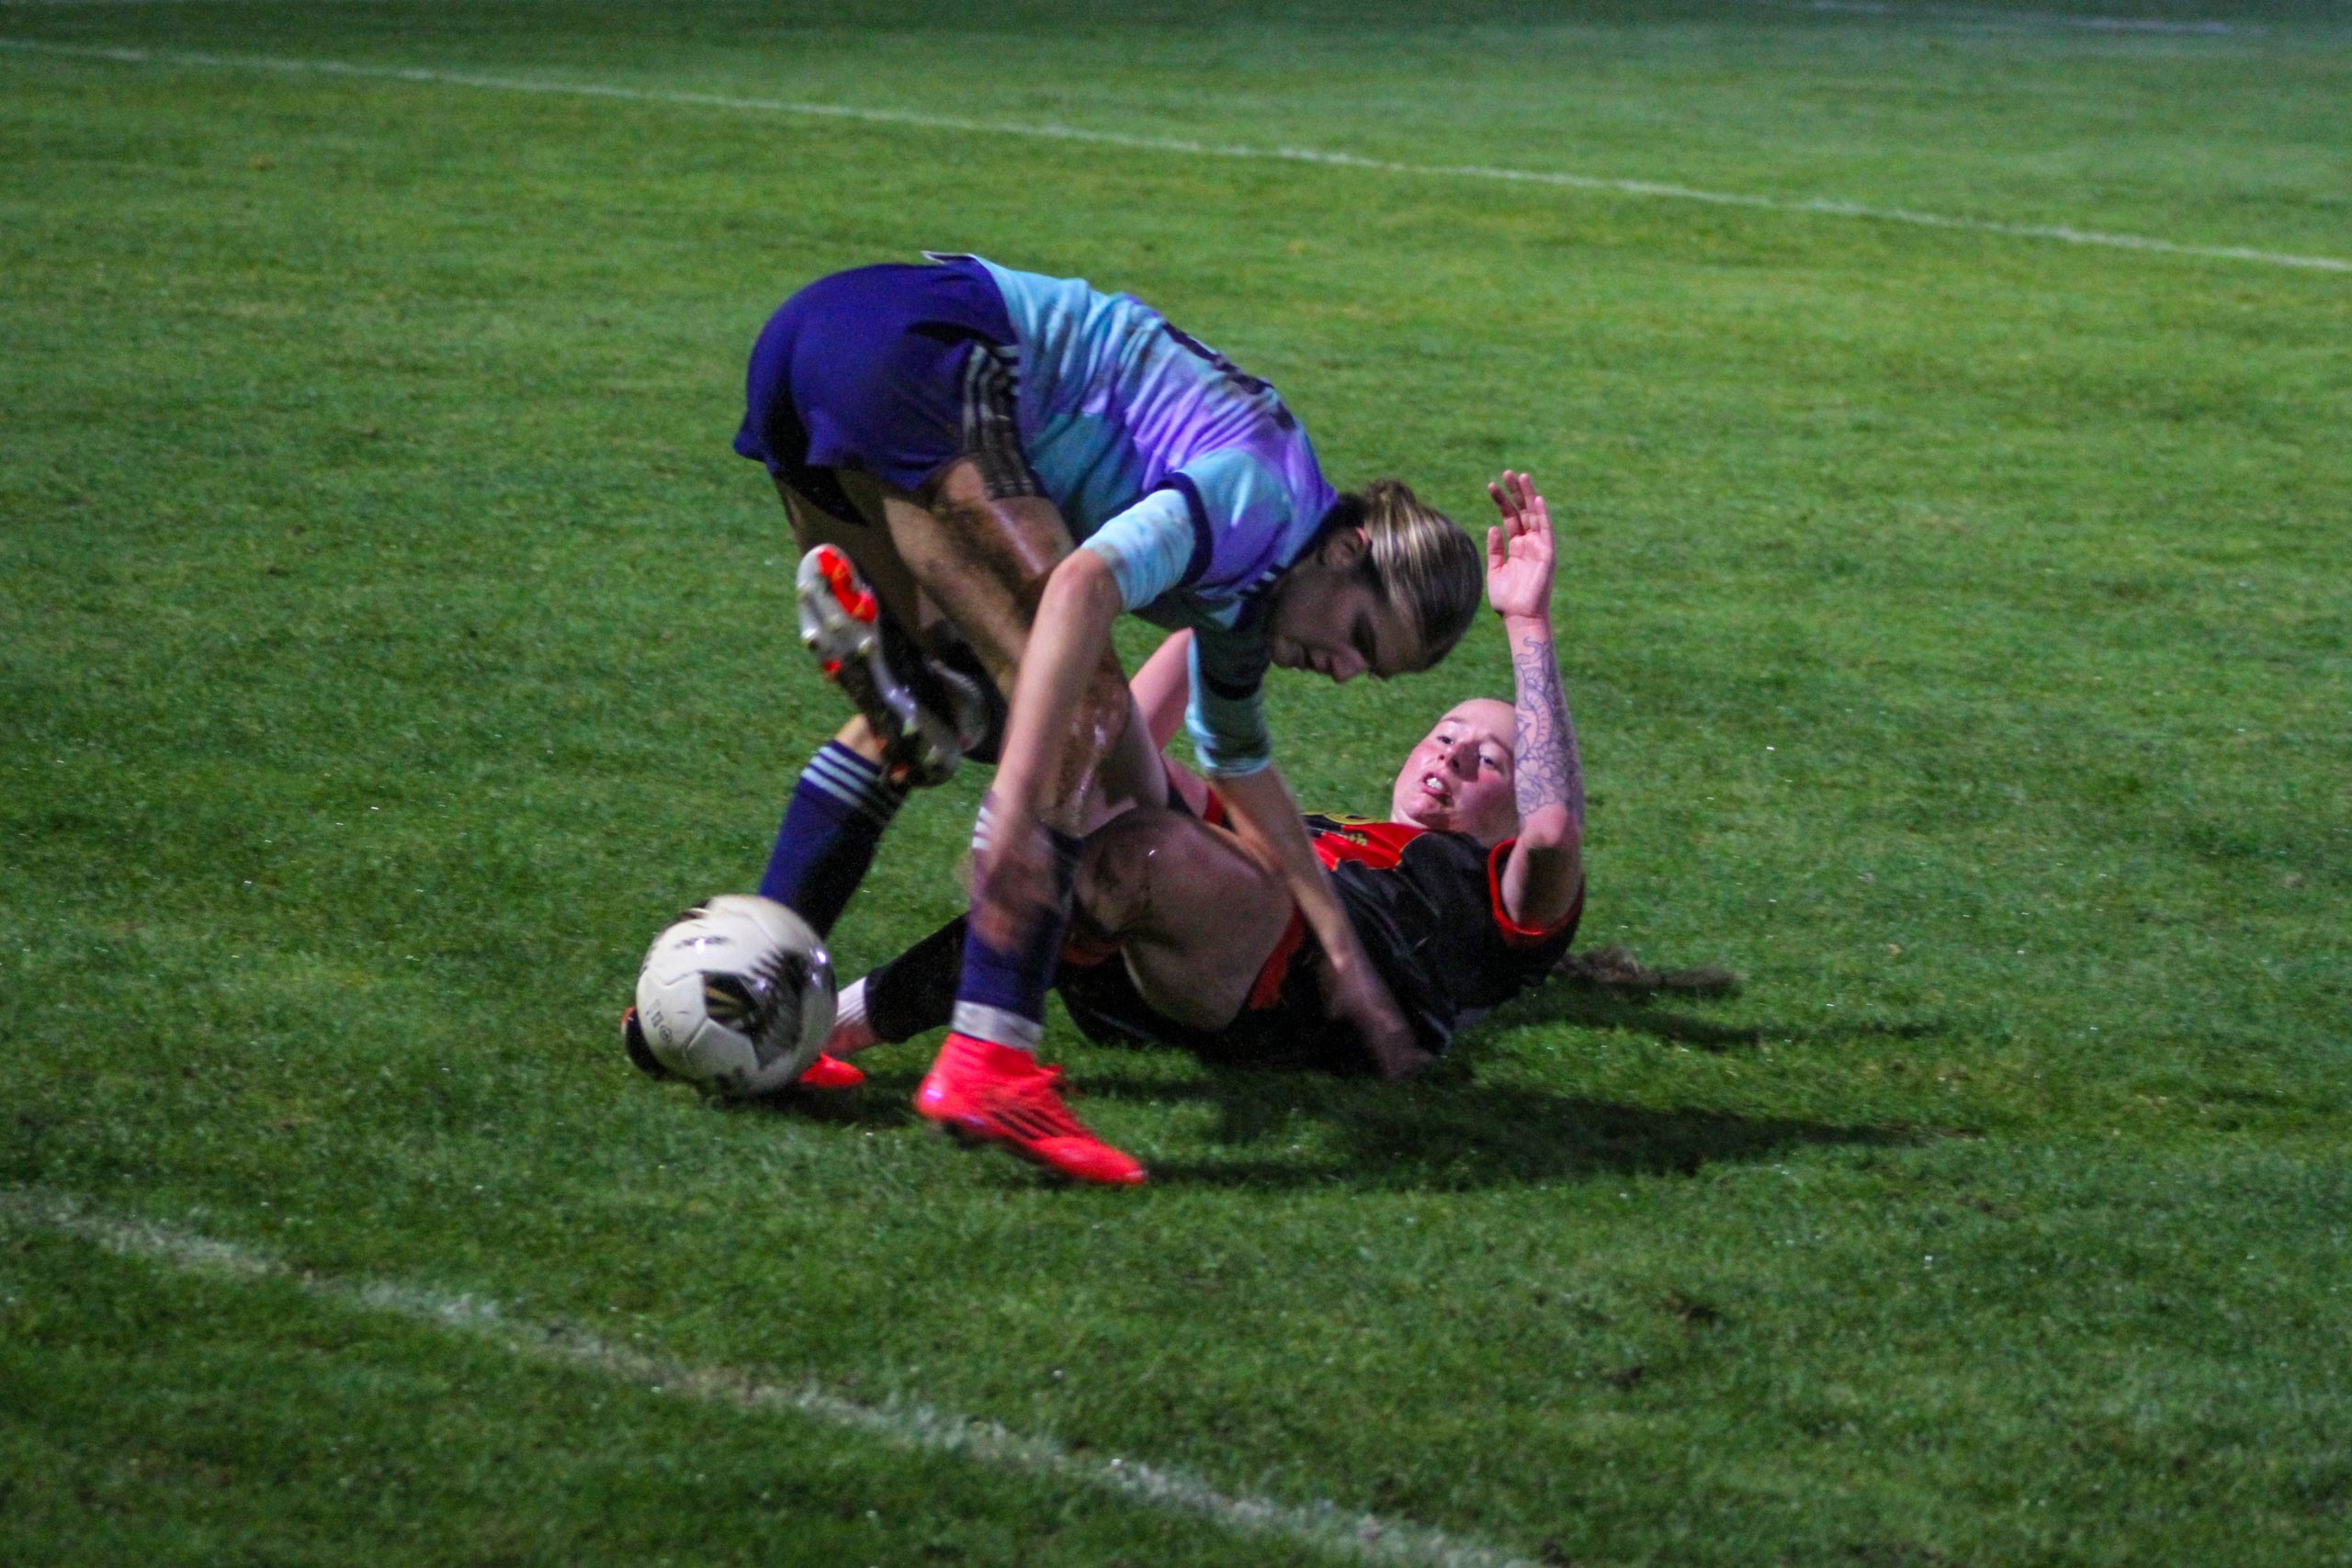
[1467, 895]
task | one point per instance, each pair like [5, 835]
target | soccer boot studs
[927, 716]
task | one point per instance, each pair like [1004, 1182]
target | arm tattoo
[1549, 768]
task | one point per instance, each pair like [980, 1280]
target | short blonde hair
[1421, 562]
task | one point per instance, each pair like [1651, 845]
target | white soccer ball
[737, 996]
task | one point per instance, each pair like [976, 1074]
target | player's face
[1459, 779]
[1328, 617]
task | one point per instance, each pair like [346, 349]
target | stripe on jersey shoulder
[1204, 541]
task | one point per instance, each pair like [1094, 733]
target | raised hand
[1519, 552]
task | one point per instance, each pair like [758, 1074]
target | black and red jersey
[1427, 908]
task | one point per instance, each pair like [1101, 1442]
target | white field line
[1359, 1538]
[1896, 10]
[101, 5]
[1892, 9]
[1824, 207]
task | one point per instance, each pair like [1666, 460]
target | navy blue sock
[830, 833]
[1003, 995]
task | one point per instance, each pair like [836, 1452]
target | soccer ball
[737, 996]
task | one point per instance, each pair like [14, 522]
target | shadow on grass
[1448, 1131]
[1460, 1134]
[886, 1100]
[1588, 1007]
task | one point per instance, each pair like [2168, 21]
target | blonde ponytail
[1421, 562]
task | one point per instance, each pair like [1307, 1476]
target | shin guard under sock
[1001, 996]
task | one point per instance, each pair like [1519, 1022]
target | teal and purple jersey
[1187, 475]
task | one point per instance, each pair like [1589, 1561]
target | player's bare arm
[1068, 703]
[1542, 878]
[1160, 686]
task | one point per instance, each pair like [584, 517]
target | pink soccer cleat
[984, 1092]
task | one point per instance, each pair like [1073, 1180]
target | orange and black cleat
[983, 1092]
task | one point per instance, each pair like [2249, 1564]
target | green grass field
[1959, 622]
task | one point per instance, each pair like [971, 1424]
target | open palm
[1519, 552]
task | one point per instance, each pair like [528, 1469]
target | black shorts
[1284, 1023]
[1282, 1027]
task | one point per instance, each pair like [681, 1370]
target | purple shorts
[894, 371]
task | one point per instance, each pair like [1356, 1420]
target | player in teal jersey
[1009, 462]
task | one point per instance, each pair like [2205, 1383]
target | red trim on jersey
[1513, 932]
[1380, 845]
[1268, 987]
[1084, 949]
